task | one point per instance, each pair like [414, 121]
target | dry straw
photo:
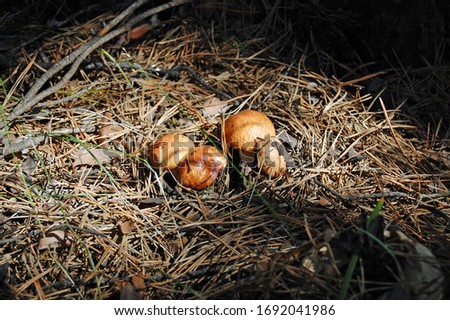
[108, 217]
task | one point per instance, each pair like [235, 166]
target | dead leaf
[213, 107]
[287, 138]
[29, 165]
[152, 201]
[354, 155]
[128, 292]
[264, 264]
[290, 162]
[93, 157]
[422, 273]
[139, 282]
[134, 289]
[324, 202]
[53, 239]
[109, 132]
[173, 247]
[6, 226]
[139, 31]
[126, 227]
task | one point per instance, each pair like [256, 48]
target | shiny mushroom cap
[169, 150]
[200, 168]
[244, 130]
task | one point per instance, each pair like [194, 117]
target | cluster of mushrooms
[249, 132]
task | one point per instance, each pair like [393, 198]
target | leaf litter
[97, 221]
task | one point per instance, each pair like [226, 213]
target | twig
[353, 197]
[154, 278]
[121, 16]
[364, 78]
[76, 58]
[172, 73]
[16, 147]
[65, 99]
[19, 146]
[9, 240]
[30, 235]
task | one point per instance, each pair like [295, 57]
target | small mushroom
[245, 129]
[270, 161]
[169, 150]
[200, 168]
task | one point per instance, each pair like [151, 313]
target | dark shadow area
[343, 39]
[396, 51]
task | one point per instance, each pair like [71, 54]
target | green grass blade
[355, 257]
[375, 213]
[348, 277]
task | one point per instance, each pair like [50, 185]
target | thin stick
[121, 16]
[19, 80]
[33, 142]
[65, 99]
[76, 58]
[352, 197]
[367, 77]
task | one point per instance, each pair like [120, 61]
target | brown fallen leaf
[139, 31]
[139, 282]
[6, 226]
[93, 156]
[29, 165]
[134, 289]
[109, 132]
[324, 202]
[422, 275]
[213, 107]
[128, 292]
[126, 227]
[53, 239]
[264, 264]
[290, 162]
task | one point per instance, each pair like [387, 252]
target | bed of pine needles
[83, 215]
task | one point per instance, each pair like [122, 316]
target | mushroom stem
[270, 161]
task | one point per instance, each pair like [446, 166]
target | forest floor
[362, 211]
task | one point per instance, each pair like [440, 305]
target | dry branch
[78, 56]
[223, 242]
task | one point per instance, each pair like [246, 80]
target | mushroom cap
[246, 128]
[200, 168]
[169, 150]
[271, 162]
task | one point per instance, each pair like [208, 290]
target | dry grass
[245, 237]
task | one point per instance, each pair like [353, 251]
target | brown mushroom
[200, 168]
[270, 161]
[169, 150]
[245, 129]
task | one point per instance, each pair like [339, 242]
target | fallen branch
[34, 141]
[66, 99]
[79, 55]
[172, 73]
[114, 22]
